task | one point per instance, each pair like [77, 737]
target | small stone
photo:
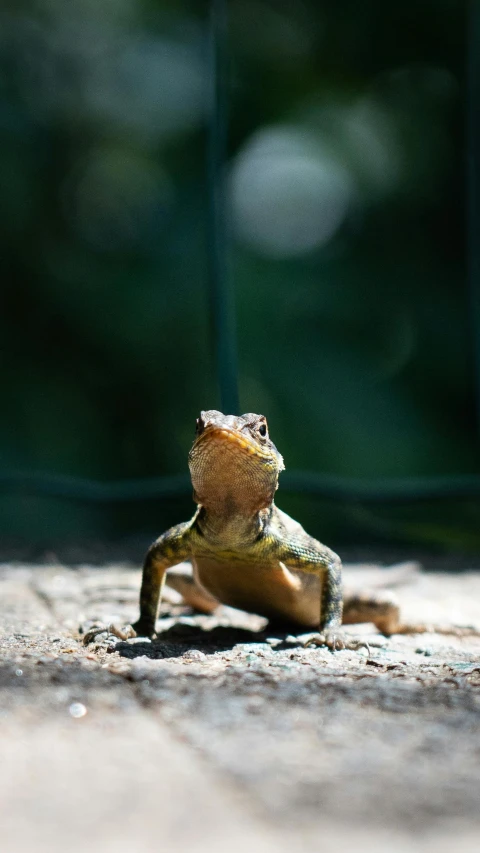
[19, 672]
[194, 654]
[424, 650]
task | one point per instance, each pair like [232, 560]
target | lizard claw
[335, 641]
[127, 632]
[330, 639]
[108, 633]
[141, 629]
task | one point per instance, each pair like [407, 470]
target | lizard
[249, 554]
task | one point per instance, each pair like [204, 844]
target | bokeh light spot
[289, 196]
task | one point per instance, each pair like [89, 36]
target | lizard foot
[106, 634]
[335, 641]
[142, 629]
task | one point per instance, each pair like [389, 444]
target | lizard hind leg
[182, 581]
[379, 607]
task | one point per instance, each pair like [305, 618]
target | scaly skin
[245, 552]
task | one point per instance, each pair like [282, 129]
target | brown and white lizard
[247, 553]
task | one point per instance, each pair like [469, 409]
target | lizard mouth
[229, 439]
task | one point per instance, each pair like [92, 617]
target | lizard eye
[199, 426]
[262, 429]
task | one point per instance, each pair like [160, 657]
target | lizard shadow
[180, 639]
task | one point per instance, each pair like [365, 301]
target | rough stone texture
[222, 736]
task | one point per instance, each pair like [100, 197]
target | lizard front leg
[305, 554]
[171, 548]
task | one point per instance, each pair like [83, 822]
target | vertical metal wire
[221, 287]
[473, 181]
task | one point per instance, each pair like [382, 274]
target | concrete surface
[220, 736]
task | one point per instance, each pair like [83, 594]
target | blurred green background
[347, 190]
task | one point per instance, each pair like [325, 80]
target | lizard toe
[335, 641]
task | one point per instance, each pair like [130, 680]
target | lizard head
[233, 463]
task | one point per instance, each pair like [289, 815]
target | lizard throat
[231, 476]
